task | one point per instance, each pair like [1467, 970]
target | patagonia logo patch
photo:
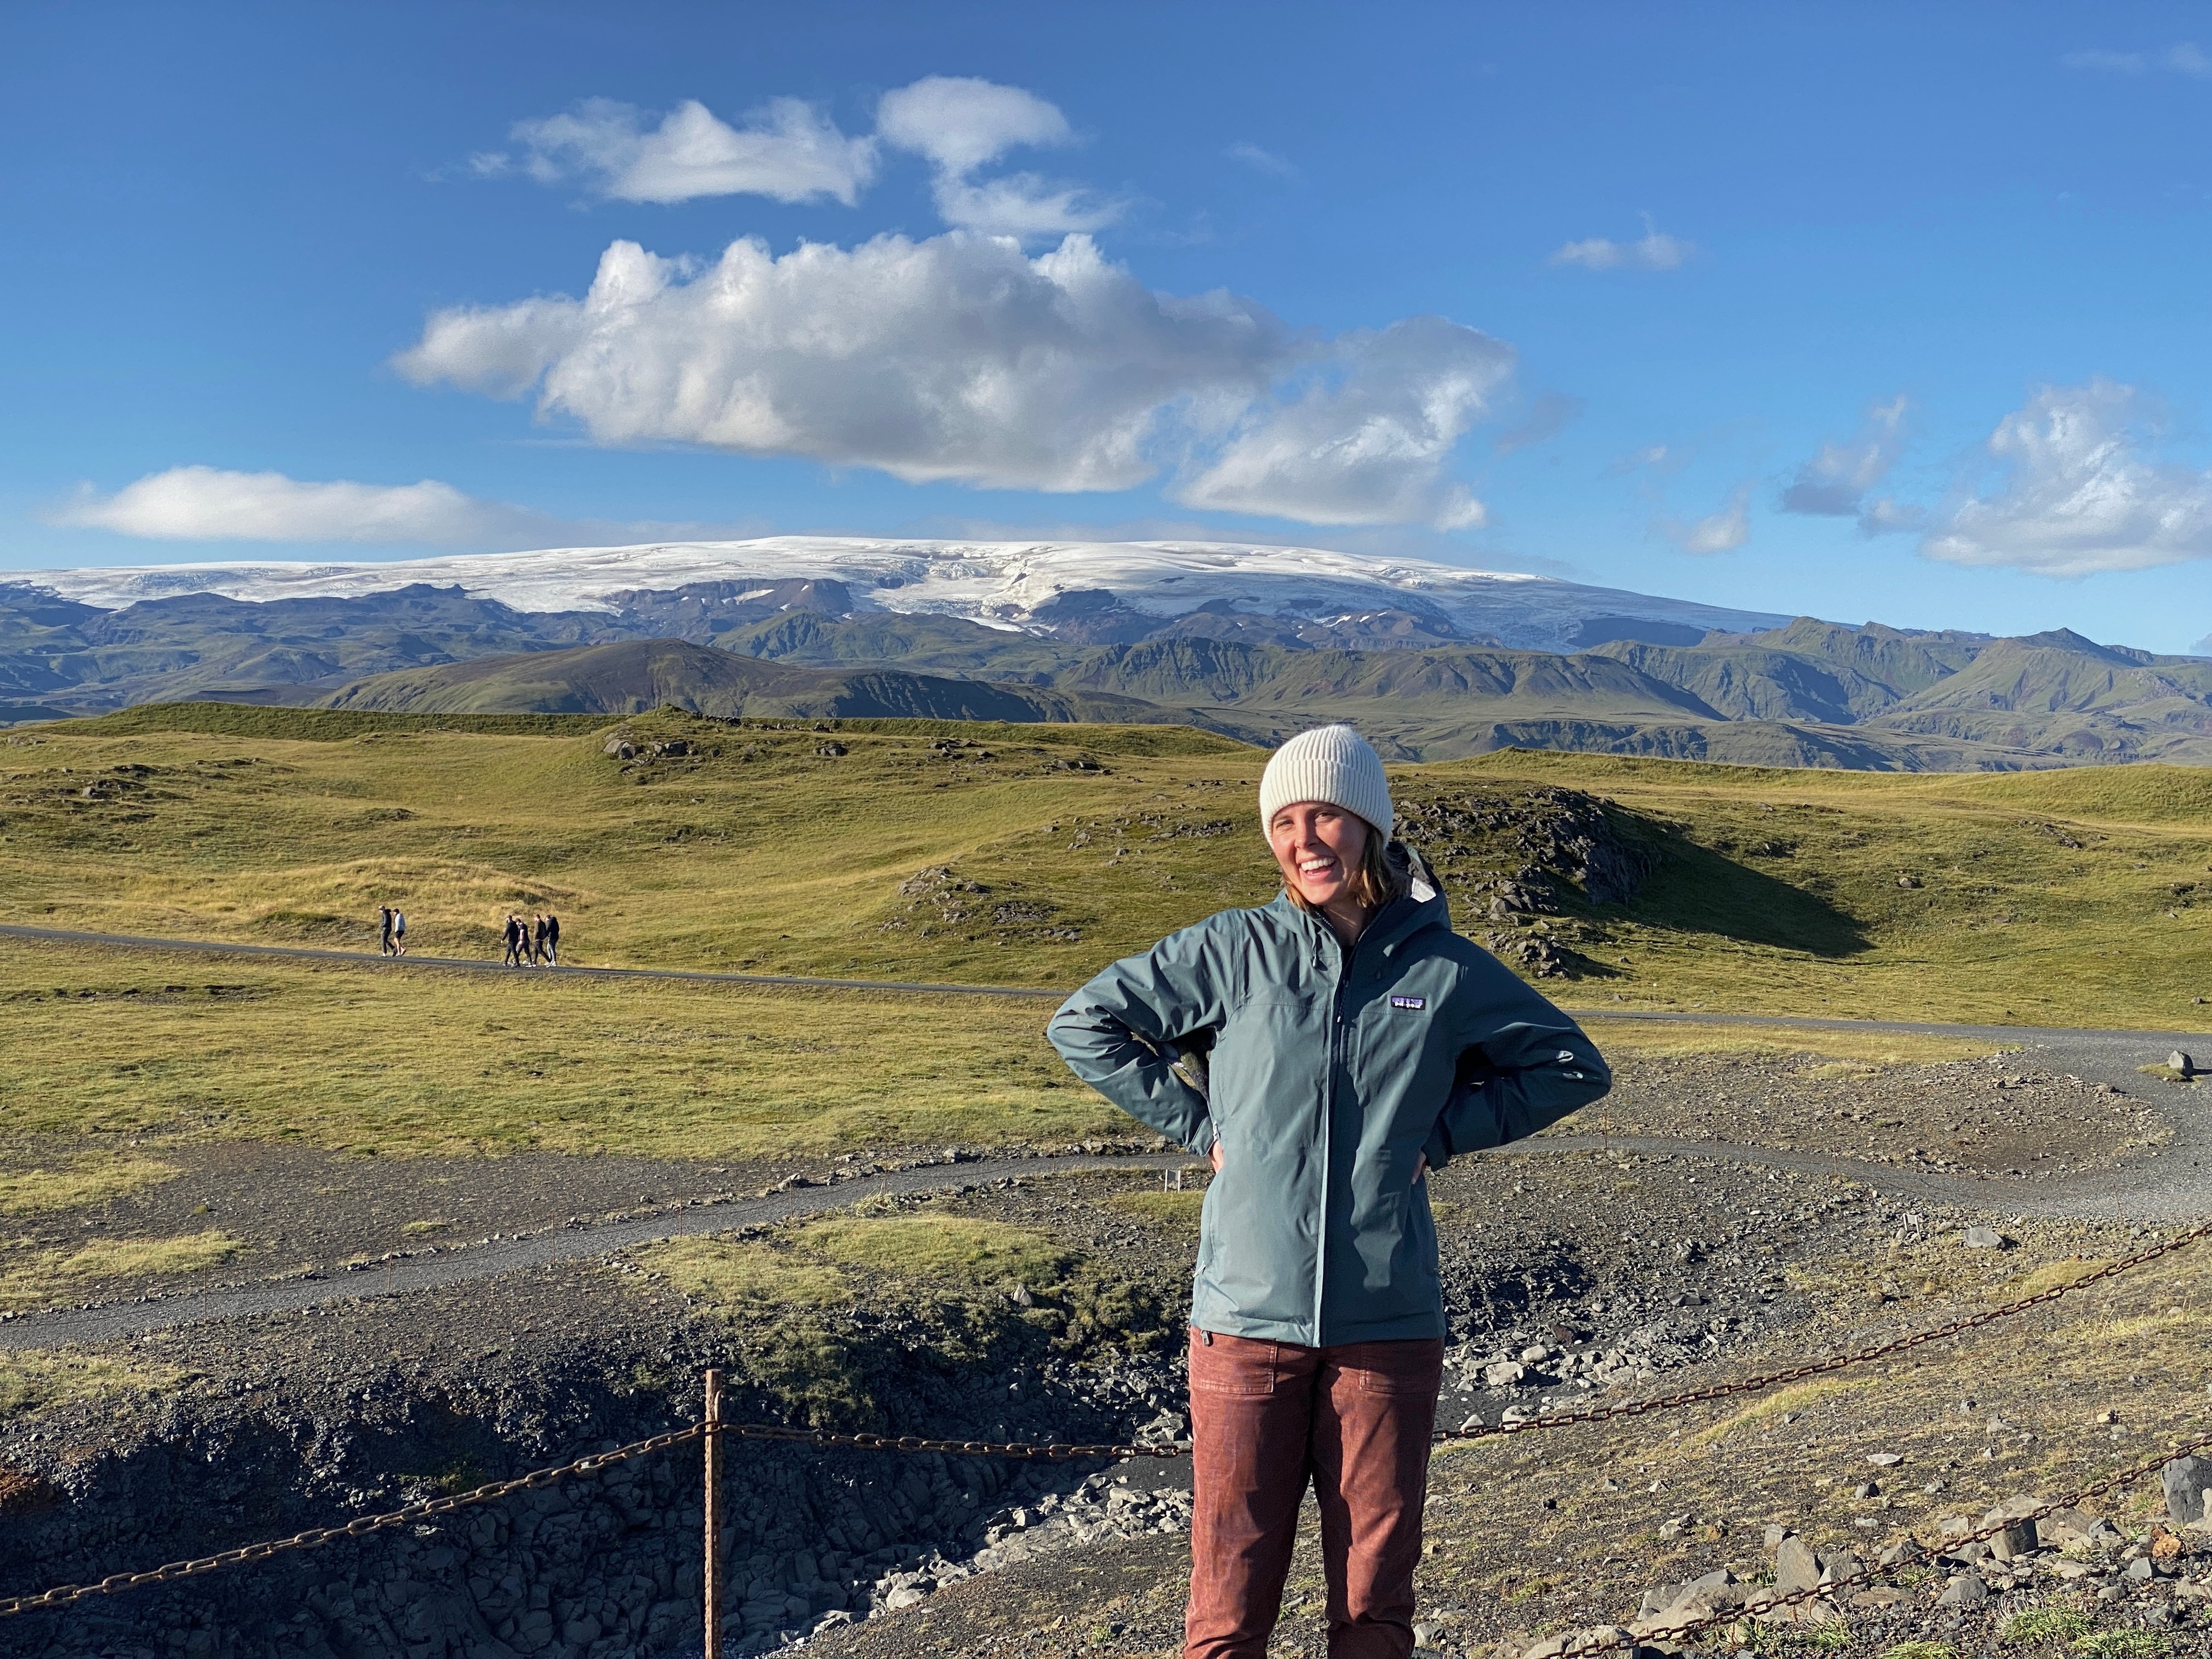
[1409, 1002]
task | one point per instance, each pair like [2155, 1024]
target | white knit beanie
[1333, 764]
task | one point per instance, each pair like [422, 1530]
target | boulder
[2018, 1536]
[2065, 1529]
[2186, 1479]
[1595, 1640]
[1795, 1566]
[1966, 1590]
[1671, 1608]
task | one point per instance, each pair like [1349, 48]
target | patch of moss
[726, 1275]
[41, 1192]
[934, 1246]
[1179, 1210]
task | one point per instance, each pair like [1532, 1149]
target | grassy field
[123, 1047]
[1016, 855]
[118, 1053]
[1028, 855]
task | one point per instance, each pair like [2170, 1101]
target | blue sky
[1875, 311]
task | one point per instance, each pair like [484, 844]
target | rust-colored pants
[1265, 1418]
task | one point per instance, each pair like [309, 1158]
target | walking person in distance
[398, 933]
[383, 926]
[1356, 1044]
[537, 941]
[552, 940]
[512, 938]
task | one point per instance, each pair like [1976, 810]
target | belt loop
[1206, 1337]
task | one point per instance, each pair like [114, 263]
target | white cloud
[1266, 160]
[1550, 414]
[1834, 482]
[1887, 516]
[960, 125]
[793, 151]
[207, 504]
[203, 504]
[2187, 59]
[1716, 533]
[1366, 443]
[2183, 57]
[1653, 251]
[1022, 206]
[789, 150]
[2081, 496]
[959, 358]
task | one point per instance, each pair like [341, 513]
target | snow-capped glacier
[1000, 583]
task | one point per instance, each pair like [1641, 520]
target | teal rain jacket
[1331, 1072]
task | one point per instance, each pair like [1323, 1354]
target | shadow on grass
[1696, 889]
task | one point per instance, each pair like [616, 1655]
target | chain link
[910, 1443]
[1830, 1363]
[361, 1526]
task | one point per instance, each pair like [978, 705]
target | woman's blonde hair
[1374, 884]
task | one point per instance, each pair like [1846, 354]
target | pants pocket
[1231, 1365]
[1396, 1370]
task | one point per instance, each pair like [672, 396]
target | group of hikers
[533, 944]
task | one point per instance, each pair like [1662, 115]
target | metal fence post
[711, 1579]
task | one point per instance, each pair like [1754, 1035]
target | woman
[1356, 1042]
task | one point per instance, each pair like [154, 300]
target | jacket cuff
[1204, 1141]
[1438, 1148]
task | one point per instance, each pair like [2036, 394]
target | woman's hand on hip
[1213, 1155]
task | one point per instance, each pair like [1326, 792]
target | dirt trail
[1804, 1022]
[438, 1268]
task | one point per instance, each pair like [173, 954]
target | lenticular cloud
[959, 358]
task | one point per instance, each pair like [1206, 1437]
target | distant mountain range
[1430, 661]
[1097, 589]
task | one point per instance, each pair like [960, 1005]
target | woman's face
[1318, 847]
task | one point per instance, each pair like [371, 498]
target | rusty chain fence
[714, 1428]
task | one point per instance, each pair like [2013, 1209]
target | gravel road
[2073, 1069]
[2164, 1177]
[2099, 1039]
[439, 1267]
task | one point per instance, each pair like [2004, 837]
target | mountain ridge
[833, 628]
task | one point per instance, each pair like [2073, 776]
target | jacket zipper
[1344, 955]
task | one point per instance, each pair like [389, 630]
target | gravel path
[2063, 1035]
[437, 1267]
[472, 965]
[2172, 1181]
